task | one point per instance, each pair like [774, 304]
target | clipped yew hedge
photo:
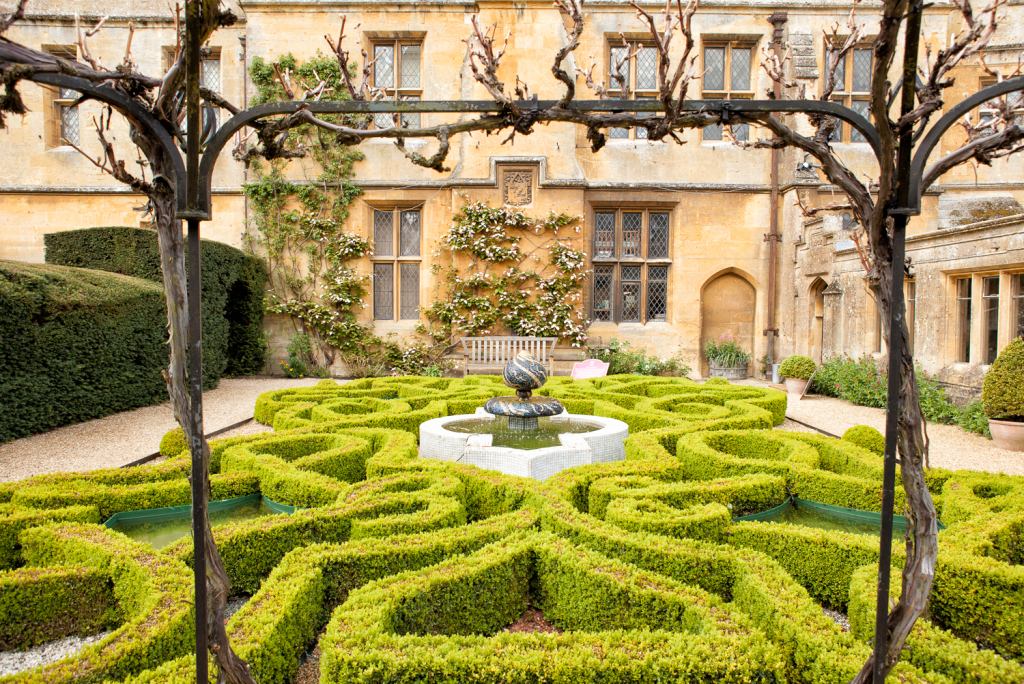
[75, 345]
[232, 292]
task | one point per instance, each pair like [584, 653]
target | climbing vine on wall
[492, 274]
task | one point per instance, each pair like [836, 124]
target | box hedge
[75, 345]
[232, 292]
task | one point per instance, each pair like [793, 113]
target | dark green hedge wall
[75, 345]
[233, 286]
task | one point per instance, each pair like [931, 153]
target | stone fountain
[525, 435]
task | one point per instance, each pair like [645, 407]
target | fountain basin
[602, 444]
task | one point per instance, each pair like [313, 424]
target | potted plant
[726, 359]
[1002, 396]
[797, 370]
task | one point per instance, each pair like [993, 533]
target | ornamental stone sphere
[524, 374]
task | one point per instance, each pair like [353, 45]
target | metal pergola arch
[192, 186]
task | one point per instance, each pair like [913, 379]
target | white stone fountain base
[600, 446]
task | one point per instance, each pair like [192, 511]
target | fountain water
[526, 435]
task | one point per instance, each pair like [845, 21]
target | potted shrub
[797, 370]
[726, 359]
[1002, 396]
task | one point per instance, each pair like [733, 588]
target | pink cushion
[591, 368]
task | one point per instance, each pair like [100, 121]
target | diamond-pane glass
[383, 121]
[641, 133]
[861, 107]
[410, 233]
[410, 66]
[409, 306]
[713, 132]
[68, 94]
[603, 277]
[209, 74]
[657, 293]
[840, 73]
[632, 226]
[384, 66]
[604, 234]
[616, 133]
[411, 120]
[739, 73]
[714, 68]
[383, 292]
[69, 125]
[861, 71]
[657, 245]
[383, 233]
[647, 69]
[631, 293]
[741, 131]
[619, 67]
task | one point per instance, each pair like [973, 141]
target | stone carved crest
[518, 188]
[819, 255]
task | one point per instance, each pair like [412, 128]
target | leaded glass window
[861, 72]
[410, 238]
[384, 291]
[397, 70]
[657, 293]
[410, 284]
[657, 242]
[637, 65]
[604, 277]
[728, 76]
[604, 234]
[853, 83]
[625, 288]
[69, 132]
[383, 233]
[632, 229]
[63, 127]
[631, 294]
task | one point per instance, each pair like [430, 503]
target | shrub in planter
[726, 358]
[797, 367]
[1003, 397]
[867, 437]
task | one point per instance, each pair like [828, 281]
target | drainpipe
[778, 20]
[245, 103]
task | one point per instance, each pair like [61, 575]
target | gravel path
[13, 662]
[950, 446]
[125, 437]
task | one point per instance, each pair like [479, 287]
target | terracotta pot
[1007, 434]
[796, 386]
[727, 372]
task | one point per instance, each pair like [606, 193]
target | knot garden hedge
[411, 567]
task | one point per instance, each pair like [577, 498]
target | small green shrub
[797, 366]
[867, 437]
[173, 443]
[1003, 391]
[973, 419]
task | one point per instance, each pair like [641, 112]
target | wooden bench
[490, 354]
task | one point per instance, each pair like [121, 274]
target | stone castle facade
[677, 236]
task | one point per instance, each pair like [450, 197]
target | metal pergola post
[195, 331]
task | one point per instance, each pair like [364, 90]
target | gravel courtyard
[125, 437]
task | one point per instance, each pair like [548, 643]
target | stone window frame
[60, 103]
[399, 260]
[401, 91]
[714, 133]
[208, 54]
[614, 45]
[1009, 311]
[1016, 101]
[654, 271]
[855, 99]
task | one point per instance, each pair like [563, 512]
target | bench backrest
[494, 351]
[591, 368]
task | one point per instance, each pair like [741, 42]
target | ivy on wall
[486, 279]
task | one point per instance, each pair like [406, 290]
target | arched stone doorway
[728, 305]
[816, 342]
